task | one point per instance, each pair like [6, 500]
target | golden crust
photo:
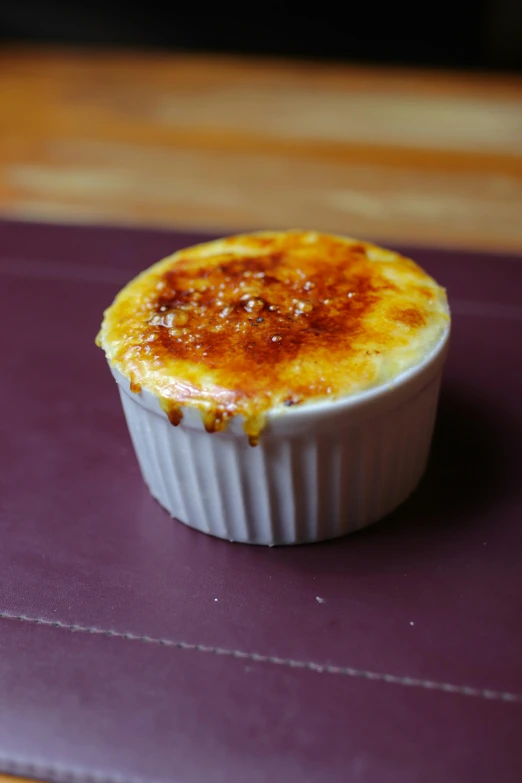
[246, 324]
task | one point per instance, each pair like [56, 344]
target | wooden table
[229, 143]
[226, 143]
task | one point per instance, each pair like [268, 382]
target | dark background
[474, 34]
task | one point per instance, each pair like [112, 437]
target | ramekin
[321, 470]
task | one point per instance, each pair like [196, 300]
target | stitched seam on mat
[40, 770]
[346, 671]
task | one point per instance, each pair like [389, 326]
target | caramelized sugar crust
[251, 323]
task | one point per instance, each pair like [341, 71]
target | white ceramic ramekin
[320, 471]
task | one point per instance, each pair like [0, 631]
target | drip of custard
[250, 325]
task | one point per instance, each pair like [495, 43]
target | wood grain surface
[226, 143]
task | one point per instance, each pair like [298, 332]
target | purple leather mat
[133, 648]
